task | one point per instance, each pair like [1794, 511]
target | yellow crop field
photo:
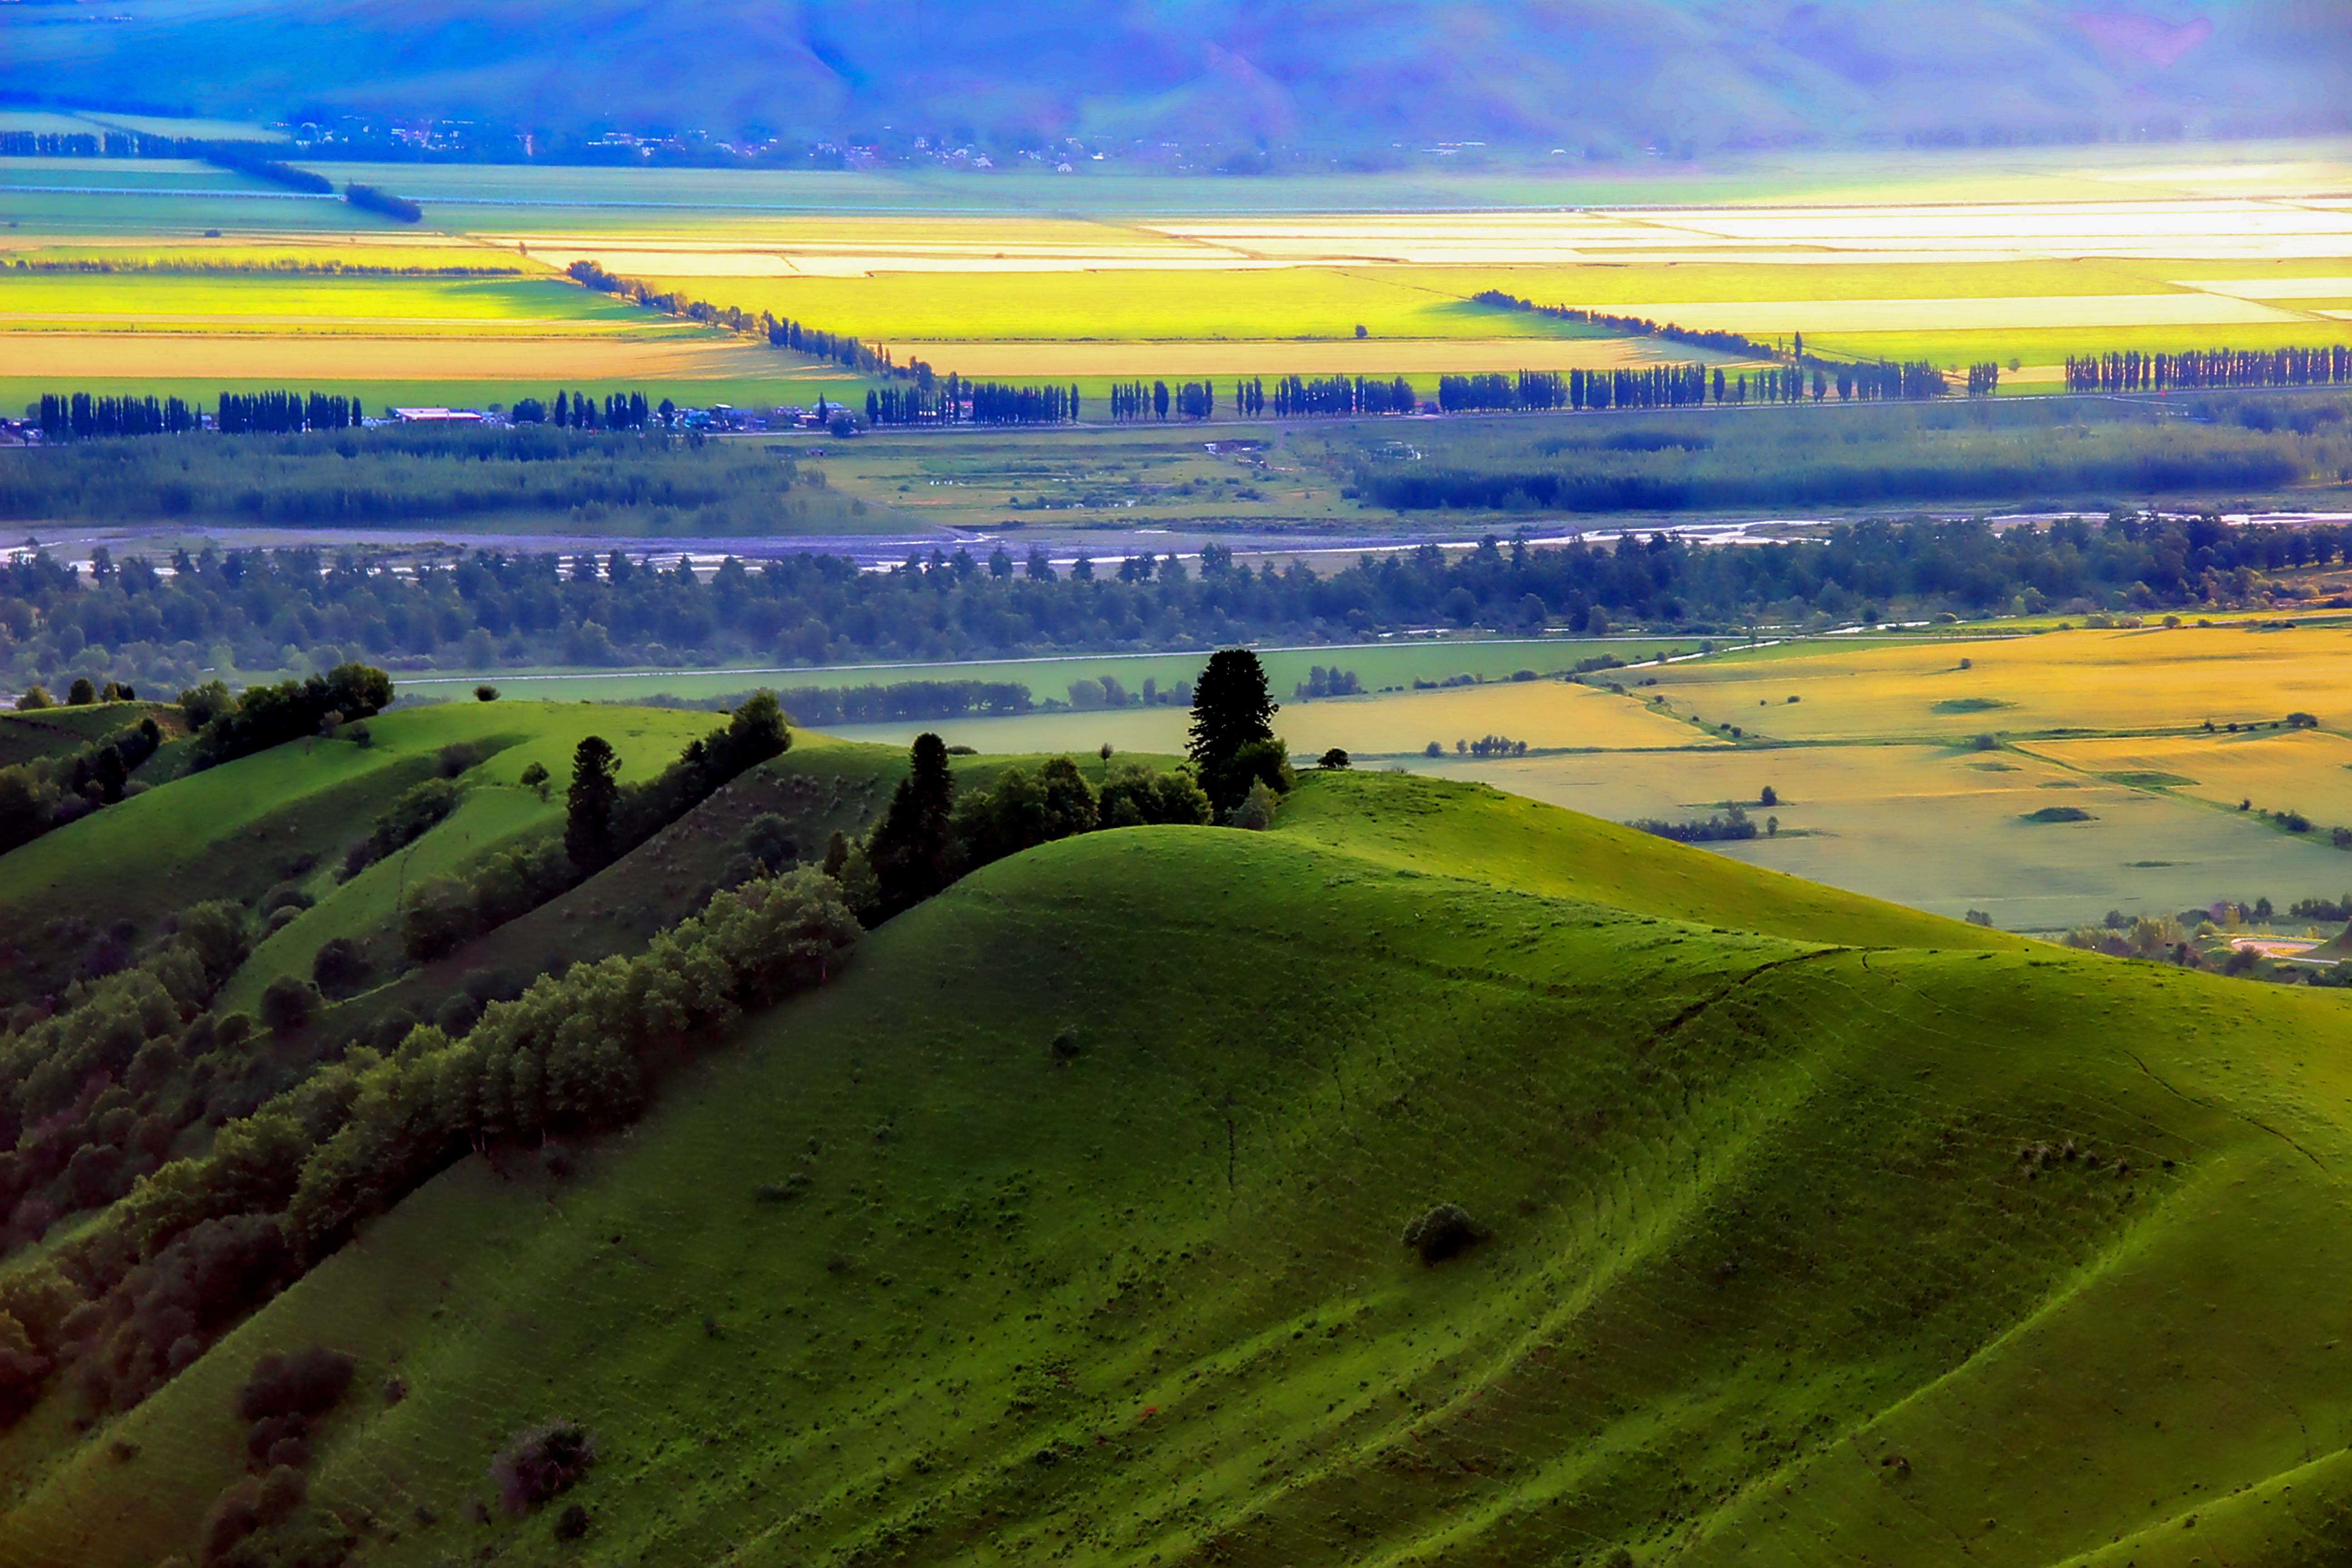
[2308, 771]
[1343, 356]
[2099, 680]
[651, 361]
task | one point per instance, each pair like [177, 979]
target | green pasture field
[1675, 1091]
[1397, 663]
[163, 301]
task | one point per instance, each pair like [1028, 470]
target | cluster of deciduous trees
[278, 413]
[46, 793]
[231, 725]
[1296, 396]
[1332, 682]
[398, 208]
[2209, 369]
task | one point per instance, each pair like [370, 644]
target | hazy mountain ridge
[1607, 74]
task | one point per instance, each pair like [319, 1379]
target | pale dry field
[1943, 829]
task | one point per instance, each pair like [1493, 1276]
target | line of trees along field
[259, 610]
[2211, 370]
[579, 478]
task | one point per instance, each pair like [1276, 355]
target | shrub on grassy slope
[541, 1464]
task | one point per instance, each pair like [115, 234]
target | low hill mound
[1068, 1225]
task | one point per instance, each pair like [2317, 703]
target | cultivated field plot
[1543, 713]
[1945, 829]
[2083, 680]
[2020, 258]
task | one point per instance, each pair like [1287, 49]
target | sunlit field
[2148, 678]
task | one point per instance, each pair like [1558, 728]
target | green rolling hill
[1063, 1226]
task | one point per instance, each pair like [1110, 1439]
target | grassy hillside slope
[1802, 1251]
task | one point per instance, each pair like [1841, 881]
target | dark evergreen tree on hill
[912, 848]
[588, 814]
[1232, 711]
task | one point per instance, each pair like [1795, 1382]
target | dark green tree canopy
[912, 846]
[1232, 706]
[588, 815]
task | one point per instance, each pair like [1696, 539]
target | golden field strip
[2018, 257]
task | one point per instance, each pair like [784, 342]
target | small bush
[286, 896]
[1255, 812]
[341, 964]
[457, 1015]
[572, 1523]
[1445, 1232]
[486, 694]
[541, 1464]
[455, 758]
[1333, 759]
[307, 1382]
[287, 1003]
[769, 840]
[1064, 1047]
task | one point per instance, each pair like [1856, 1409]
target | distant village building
[437, 415]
